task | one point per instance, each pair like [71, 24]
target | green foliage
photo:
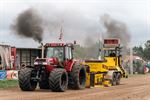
[8, 83]
[139, 51]
[143, 52]
[147, 53]
[147, 44]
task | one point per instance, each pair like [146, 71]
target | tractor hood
[40, 61]
[46, 61]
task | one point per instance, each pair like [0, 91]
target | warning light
[54, 44]
[111, 42]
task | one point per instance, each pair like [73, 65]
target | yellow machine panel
[99, 79]
[93, 79]
[88, 83]
[111, 62]
[96, 66]
[96, 72]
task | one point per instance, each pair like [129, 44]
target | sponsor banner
[12, 74]
[2, 74]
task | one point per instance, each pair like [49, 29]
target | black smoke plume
[116, 29]
[29, 24]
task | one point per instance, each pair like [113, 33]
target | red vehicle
[56, 70]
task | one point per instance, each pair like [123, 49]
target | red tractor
[56, 70]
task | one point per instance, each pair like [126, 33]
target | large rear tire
[58, 80]
[24, 78]
[78, 77]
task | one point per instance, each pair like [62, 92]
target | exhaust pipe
[42, 50]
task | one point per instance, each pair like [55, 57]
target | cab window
[68, 53]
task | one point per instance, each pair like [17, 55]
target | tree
[139, 51]
[147, 50]
[147, 44]
[143, 52]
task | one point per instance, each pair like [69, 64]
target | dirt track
[133, 88]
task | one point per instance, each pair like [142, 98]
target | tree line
[143, 51]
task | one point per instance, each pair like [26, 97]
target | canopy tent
[5, 55]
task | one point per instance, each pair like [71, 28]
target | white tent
[5, 54]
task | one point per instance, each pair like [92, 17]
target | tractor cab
[58, 50]
[54, 55]
[112, 54]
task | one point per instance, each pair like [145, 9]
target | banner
[12, 74]
[5, 54]
[2, 74]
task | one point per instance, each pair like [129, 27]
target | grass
[8, 83]
[14, 83]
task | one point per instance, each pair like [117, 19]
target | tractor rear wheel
[58, 80]
[24, 78]
[78, 77]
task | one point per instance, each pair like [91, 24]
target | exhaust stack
[42, 50]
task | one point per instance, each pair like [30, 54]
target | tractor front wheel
[25, 79]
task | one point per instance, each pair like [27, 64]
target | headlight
[35, 63]
[44, 63]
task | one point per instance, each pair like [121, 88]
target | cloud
[81, 18]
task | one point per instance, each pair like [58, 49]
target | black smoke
[116, 29]
[29, 24]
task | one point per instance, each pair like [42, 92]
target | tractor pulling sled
[107, 71]
[57, 70]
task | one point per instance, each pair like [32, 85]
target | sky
[80, 18]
